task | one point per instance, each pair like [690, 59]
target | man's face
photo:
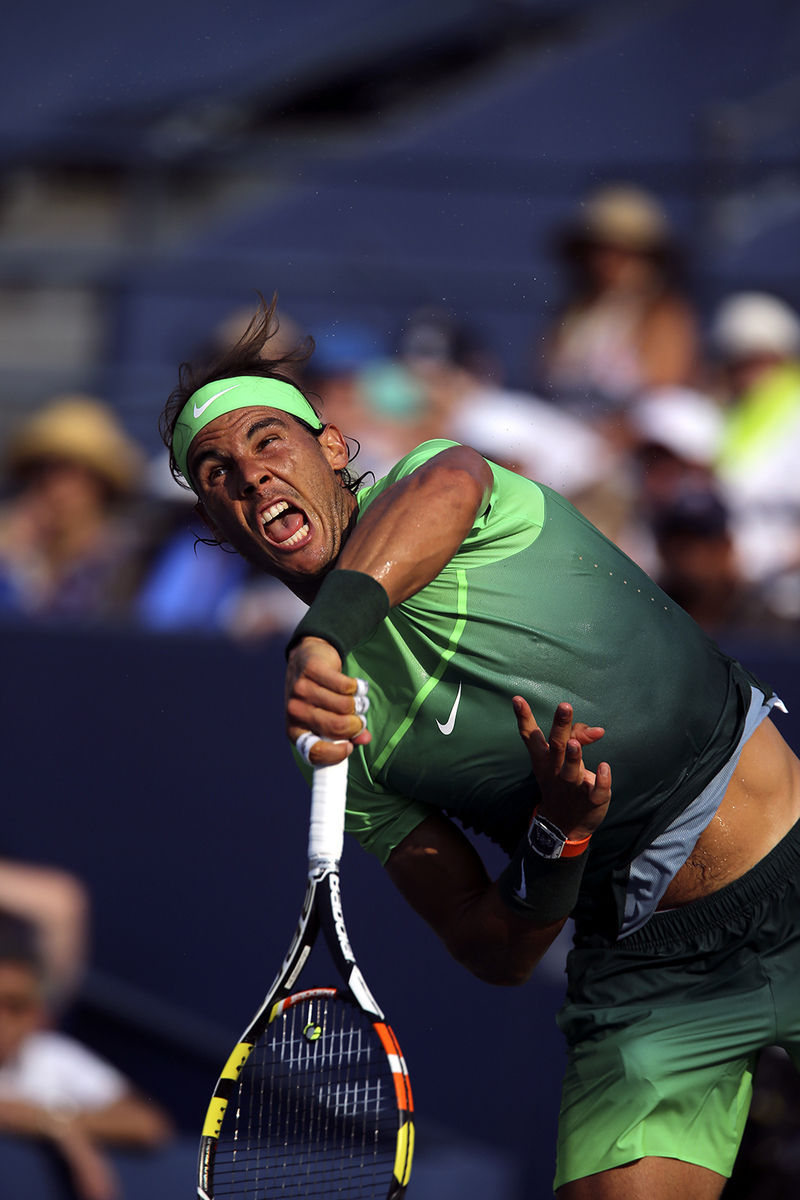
[62, 495]
[21, 1006]
[268, 487]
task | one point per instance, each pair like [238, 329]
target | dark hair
[18, 943]
[697, 513]
[246, 357]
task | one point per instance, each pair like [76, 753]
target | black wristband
[544, 890]
[347, 610]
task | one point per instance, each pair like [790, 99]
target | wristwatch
[547, 839]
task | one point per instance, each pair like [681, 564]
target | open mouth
[284, 525]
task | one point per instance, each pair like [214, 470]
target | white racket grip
[326, 823]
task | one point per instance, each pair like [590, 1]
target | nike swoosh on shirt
[450, 723]
[198, 412]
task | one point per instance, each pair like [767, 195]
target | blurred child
[54, 1089]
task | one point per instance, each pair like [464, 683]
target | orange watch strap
[572, 846]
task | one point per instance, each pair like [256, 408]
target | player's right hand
[324, 702]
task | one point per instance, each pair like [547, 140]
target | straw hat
[619, 215]
[78, 429]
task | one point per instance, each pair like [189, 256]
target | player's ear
[334, 447]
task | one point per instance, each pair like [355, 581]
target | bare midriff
[760, 805]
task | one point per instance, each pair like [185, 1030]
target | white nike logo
[198, 412]
[449, 724]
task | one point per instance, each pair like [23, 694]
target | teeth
[274, 511]
[297, 537]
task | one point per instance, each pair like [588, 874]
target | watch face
[543, 841]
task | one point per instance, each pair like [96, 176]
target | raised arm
[415, 527]
[402, 542]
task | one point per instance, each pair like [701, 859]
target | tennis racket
[314, 1100]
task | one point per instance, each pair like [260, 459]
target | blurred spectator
[682, 528]
[466, 402]
[66, 550]
[626, 325]
[54, 906]
[674, 436]
[54, 1089]
[698, 566]
[435, 336]
[363, 389]
[757, 340]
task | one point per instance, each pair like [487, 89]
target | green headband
[224, 396]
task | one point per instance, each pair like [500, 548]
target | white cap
[755, 323]
[684, 421]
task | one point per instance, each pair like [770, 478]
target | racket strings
[314, 1112]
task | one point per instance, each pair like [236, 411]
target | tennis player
[463, 596]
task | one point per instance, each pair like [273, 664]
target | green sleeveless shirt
[537, 602]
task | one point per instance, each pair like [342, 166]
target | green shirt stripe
[428, 686]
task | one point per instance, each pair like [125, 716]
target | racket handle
[326, 824]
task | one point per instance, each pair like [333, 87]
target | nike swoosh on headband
[254, 391]
[198, 412]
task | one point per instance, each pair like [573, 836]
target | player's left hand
[573, 797]
[324, 702]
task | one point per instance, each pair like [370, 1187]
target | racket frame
[322, 909]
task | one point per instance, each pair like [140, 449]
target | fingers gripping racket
[314, 1100]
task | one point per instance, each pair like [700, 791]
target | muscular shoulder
[437, 451]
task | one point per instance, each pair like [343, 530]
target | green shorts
[663, 1029]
